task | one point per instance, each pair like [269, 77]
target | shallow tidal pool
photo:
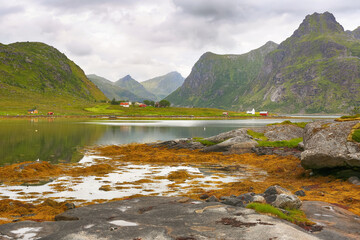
[128, 180]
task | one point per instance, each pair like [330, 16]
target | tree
[164, 103]
[149, 103]
[114, 102]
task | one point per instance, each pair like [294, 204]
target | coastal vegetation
[284, 171]
[292, 215]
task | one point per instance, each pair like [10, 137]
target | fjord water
[61, 139]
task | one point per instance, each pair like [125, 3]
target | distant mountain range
[33, 73]
[316, 70]
[111, 90]
[128, 88]
[164, 85]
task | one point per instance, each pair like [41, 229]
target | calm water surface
[59, 140]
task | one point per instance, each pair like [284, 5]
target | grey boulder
[326, 145]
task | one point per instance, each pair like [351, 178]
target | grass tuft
[288, 122]
[204, 141]
[294, 216]
[293, 143]
[356, 135]
[257, 135]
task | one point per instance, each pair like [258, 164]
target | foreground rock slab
[327, 145]
[337, 222]
[157, 218]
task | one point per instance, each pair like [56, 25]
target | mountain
[33, 72]
[220, 80]
[315, 70]
[111, 90]
[135, 87]
[164, 85]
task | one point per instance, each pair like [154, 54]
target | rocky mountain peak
[318, 23]
[127, 78]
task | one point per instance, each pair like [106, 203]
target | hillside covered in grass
[34, 74]
[315, 70]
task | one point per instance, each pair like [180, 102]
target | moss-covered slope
[315, 70]
[220, 80]
[33, 72]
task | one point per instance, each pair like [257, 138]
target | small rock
[247, 197]
[69, 205]
[276, 189]
[354, 180]
[270, 198]
[287, 201]
[300, 193]
[259, 199]
[233, 202]
[212, 199]
[204, 196]
[301, 146]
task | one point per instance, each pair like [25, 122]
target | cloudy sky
[113, 38]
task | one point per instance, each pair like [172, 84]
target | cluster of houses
[262, 113]
[128, 104]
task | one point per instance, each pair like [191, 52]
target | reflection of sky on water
[122, 131]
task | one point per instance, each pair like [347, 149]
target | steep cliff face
[315, 70]
[220, 80]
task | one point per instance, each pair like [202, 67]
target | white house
[251, 112]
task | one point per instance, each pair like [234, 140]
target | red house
[50, 113]
[142, 105]
[264, 113]
[125, 104]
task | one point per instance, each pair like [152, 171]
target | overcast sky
[143, 38]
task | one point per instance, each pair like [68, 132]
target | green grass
[152, 111]
[203, 141]
[294, 216]
[350, 116]
[356, 135]
[293, 143]
[257, 135]
[287, 122]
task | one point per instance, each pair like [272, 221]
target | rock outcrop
[158, 218]
[327, 145]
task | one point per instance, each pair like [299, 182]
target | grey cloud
[4, 11]
[79, 48]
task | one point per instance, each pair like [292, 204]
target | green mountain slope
[33, 73]
[135, 87]
[220, 80]
[316, 70]
[164, 85]
[111, 90]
